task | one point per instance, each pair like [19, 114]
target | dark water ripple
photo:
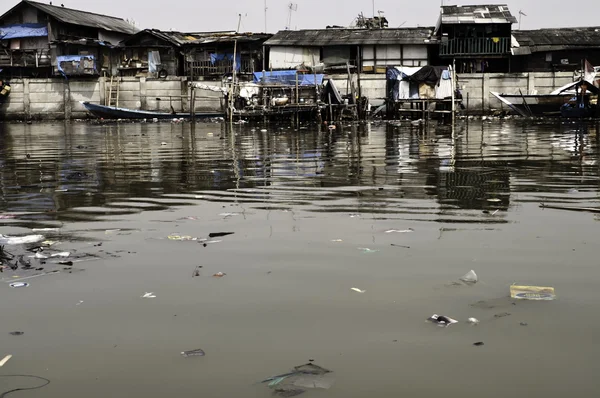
[79, 172]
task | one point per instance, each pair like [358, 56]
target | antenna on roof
[266, 16]
[292, 7]
[521, 13]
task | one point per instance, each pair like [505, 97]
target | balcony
[25, 58]
[475, 47]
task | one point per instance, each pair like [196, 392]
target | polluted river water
[343, 244]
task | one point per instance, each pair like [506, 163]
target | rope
[46, 382]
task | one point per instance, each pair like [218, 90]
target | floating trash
[17, 333]
[17, 285]
[20, 240]
[45, 230]
[61, 254]
[39, 256]
[442, 321]
[470, 278]
[300, 379]
[532, 293]
[219, 234]
[367, 250]
[400, 231]
[193, 353]
[473, 321]
[358, 290]
[229, 214]
[181, 238]
[3, 362]
[337, 240]
[148, 295]
[478, 344]
[219, 274]
[7, 216]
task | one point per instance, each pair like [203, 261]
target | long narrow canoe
[111, 112]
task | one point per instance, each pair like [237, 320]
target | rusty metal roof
[83, 18]
[558, 39]
[178, 39]
[487, 14]
[346, 37]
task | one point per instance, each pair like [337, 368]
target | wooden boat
[111, 112]
[534, 104]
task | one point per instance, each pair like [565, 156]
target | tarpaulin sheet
[76, 64]
[287, 77]
[23, 30]
[214, 58]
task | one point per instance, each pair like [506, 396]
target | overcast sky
[213, 15]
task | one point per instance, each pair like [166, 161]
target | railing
[206, 68]
[25, 58]
[475, 46]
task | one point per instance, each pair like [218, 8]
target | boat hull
[535, 105]
[111, 112]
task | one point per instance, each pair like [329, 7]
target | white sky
[203, 15]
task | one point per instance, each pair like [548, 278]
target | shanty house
[557, 50]
[153, 53]
[477, 37]
[212, 54]
[38, 39]
[369, 50]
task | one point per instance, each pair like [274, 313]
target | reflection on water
[54, 171]
[391, 211]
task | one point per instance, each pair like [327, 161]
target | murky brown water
[304, 206]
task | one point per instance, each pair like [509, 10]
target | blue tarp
[287, 77]
[23, 30]
[214, 58]
[76, 64]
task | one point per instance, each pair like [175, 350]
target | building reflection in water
[56, 166]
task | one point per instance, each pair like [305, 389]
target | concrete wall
[476, 86]
[61, 99]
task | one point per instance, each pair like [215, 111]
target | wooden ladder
[112, 97]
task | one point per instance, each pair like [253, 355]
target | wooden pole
[467, 108]
[297, 94]
[193, 104]
[315, 74]
[453, 94]
[232, 89]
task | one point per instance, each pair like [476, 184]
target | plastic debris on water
[470, 277]
[400, 231]
[358, 290]
[19, 240]
[6, 359]
[193, 353]
[442, 321]
[61, 254]
[17, 285]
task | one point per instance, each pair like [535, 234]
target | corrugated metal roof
[178, 39]
[558, 39]
[83, 18]
[345, 37]
[492, 13]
